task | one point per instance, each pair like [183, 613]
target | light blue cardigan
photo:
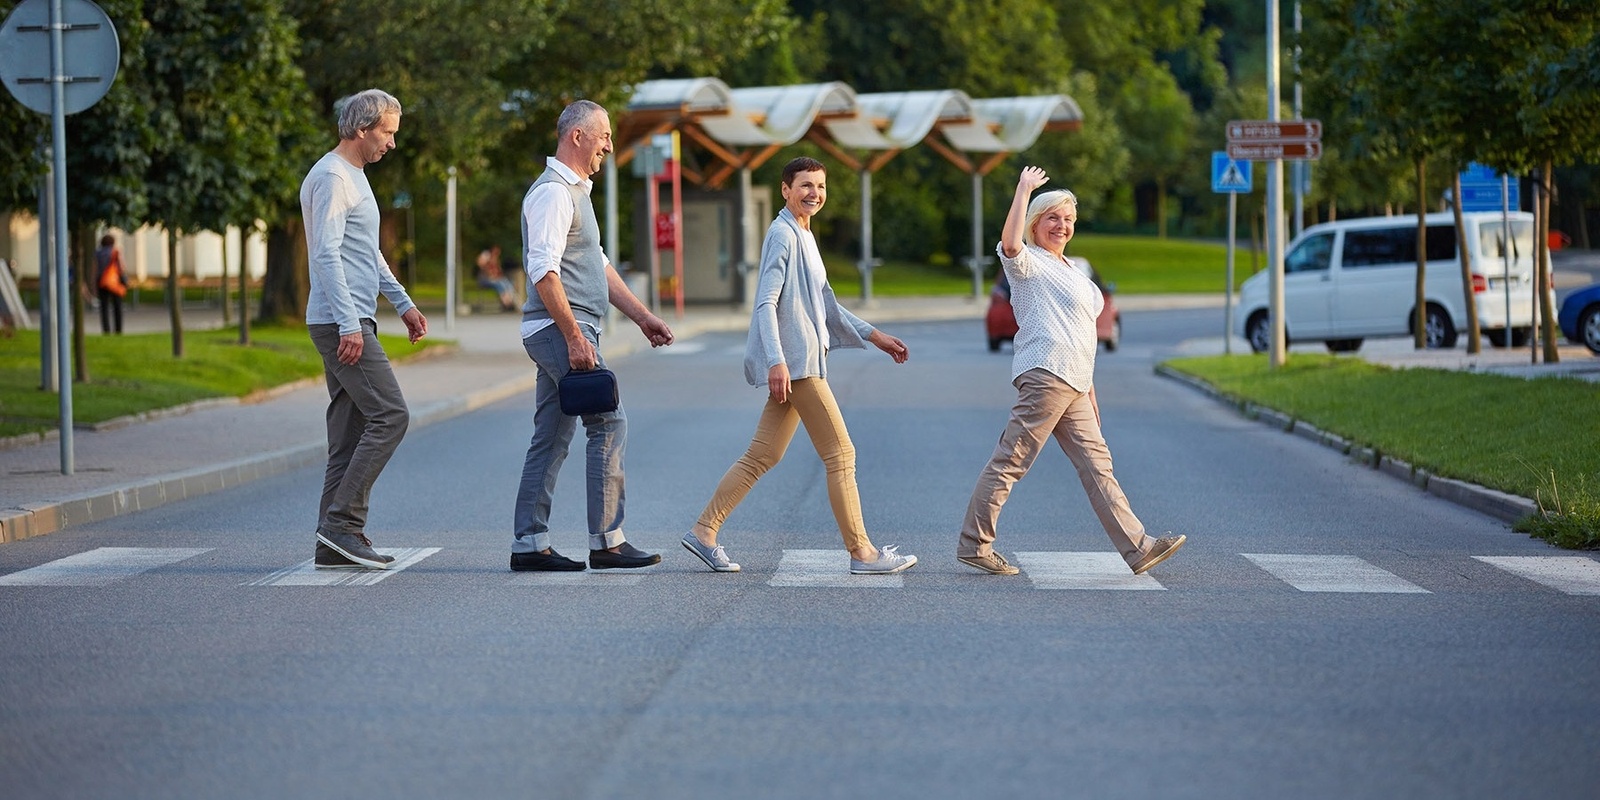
[783, 327]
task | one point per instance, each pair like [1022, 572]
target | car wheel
[1116, 336]
[1343, 345]
[994, 345]
[1437, 329]
[1589, 328]
[1259, 333]
[1521, 336]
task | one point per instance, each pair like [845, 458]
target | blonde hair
[1043, 204]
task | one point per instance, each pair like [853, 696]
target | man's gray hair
[362, 110]
[576, 116]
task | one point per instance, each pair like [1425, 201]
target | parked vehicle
[1000, 324]
[1579, 317]
[1354, 279]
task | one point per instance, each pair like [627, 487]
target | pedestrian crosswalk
[830, 569]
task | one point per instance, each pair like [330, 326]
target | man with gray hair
[367, 415]
[572, 282]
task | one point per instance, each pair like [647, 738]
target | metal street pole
[1227, 291]
[58, 129]
[866, 238]
[450, 252]
[47, 294]
[1300, 167]
[1274, 195]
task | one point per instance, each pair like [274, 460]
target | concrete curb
[1500, 505]
[26, 521]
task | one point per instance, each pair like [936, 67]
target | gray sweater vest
[583, 266]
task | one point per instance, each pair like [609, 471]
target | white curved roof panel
[788, 112]
[912, 115]
[1022, 119]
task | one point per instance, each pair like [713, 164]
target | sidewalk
[133, 464]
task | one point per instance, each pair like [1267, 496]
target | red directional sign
[1263, 130]
[1275, 151]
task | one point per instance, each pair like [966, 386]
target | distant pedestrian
[111, 283]
[367, 416]
[796, 321]
[1053, 370]
[571, 281]
[490, 275]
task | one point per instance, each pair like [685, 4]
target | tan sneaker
[994, 564]
[1159, 552]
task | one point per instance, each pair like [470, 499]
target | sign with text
[1275, 151]
[1481, 190]
[1266, 130]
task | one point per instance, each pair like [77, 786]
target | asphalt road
[1327, 632]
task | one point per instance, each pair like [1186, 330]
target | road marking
[306, 573]
[830, 569]
[604, 577]
[1332, 574]
[687, 348]
[1566, 574]
[1055, 570]
[100, 566]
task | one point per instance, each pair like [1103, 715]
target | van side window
[1310, 255]
[1390, 246]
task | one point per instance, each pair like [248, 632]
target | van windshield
[1310, 255]
[1492, 237]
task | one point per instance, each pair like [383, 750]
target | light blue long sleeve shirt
[787, 326]
[347, 269]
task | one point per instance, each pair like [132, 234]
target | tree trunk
[1419, 320]
[174, 298]
[244, 284]
[1161, 208]
[225, 311]
[1541, 228]
[284, 287]
[80, 286]
[1470, 299]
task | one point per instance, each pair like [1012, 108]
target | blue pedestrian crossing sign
[1229, 176]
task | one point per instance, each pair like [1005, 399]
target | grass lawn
[1534, 438]
[136, 373]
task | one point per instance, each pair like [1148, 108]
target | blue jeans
[552, 434]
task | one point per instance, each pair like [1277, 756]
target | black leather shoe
[544, 562]
[630, 558]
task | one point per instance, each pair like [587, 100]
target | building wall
[144, 251]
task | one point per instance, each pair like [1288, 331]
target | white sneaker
[888, 562]
[715, 557]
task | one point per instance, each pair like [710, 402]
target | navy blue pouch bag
[592, 391]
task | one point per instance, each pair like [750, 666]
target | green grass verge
[136, 373]
[1534, 438]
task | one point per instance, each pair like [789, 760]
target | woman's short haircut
[799, 165]
[1044, 204]
[362, 110]
[107, 240]
[574, 116]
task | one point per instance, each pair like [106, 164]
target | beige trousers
[811, 402]
[1047, 406]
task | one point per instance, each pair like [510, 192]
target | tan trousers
[1047, 406]
[811, 402]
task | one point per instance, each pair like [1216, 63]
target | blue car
[1580, 317]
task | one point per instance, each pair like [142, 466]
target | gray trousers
[1048, 407]
[367, 418]
[552, 435]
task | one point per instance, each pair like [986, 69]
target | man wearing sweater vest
[572, 282]
[367, 416]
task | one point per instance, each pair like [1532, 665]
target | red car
[1001, 324]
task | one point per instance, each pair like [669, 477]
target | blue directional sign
[1229, 176]
[1480, 190]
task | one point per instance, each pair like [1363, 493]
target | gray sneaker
[993, 563]
[715, 557]
[1159, 552]
[888, 562]
[329, 558]
[356, 547]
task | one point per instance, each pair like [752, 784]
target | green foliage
[1519, 436]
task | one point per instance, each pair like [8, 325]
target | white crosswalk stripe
[100, 566]
[1567, 574]
[1332, 574]
[830, 569]
[306, 573]
[1050, 570]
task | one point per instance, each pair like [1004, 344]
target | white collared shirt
[548, 212]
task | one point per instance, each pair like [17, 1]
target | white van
[1348, 280]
